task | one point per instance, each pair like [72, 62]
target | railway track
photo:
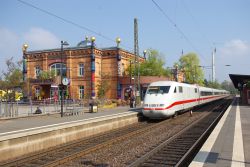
[180, 149]
[62, 154]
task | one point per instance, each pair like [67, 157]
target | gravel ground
[125, 152]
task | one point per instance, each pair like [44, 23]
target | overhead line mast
[137, 61]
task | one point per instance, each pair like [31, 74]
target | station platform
[8, 126]
[24, 135]
[229, 143]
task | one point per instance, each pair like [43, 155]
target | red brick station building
[84, 67]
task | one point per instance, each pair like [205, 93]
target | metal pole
[61, 86]
[135, 82]
[213, 65]
[138, 80]
[130, 72]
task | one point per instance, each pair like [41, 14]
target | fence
[17, 109]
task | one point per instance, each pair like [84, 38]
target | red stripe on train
[181, 102]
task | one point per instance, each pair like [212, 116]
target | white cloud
[11, 43]
[9, 47]
[8, 42]
[235, 53]
[235, 48]
[38, 38]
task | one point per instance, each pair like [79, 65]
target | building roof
[80, 45]
[239, 80]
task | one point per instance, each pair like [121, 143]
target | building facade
[87, 68]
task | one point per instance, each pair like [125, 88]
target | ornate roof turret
[84, 43]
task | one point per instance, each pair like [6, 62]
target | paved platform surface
[19, 124]
[229, 143]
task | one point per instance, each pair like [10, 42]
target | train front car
[157, 98]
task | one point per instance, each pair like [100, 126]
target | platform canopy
[239, 80]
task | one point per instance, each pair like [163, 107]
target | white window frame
[81, 70]
[58, 69]
[37, 71]
[37, 92]
[81, 92]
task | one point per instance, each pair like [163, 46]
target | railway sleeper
[176, 154]
[154, 163]
[172, 150]
[162, 163]
[165, 157]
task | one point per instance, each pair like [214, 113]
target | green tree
[152, 66]
[103, 86]
[227, 85]
[190, 65]
[11, 79]
[215, 84]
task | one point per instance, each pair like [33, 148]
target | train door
[181, 97]
[199, 96]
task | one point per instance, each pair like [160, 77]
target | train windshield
[158, 89]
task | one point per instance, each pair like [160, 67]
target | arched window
[57, 69]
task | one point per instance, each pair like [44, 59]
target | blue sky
[223, 24]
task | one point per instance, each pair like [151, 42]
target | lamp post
[144, 54]
[119, 70]
[63, 43]
[92, 68]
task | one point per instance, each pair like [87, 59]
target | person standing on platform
[132, 101]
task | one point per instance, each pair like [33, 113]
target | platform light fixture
[63, 43]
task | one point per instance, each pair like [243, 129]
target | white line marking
[238, 159]
[53, 125]
[207, 147]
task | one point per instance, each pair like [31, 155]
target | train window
[206, 93]
[158, 89]
[180, 89]
[175, 90]
[195, 90]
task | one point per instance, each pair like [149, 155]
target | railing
[24, 109]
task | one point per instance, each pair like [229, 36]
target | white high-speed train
[167, 98]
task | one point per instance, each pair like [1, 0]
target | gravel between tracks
[125, 152]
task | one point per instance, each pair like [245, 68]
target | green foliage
[153, 66]
[226, 85]
[248, 84]
[47, 75]
[103, 86]
[190, 65]
[215, 84]
[11, 79]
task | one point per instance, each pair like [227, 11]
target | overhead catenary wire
[204, 36]
[70, 22]
[177, 28]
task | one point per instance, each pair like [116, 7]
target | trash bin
[93, 107]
